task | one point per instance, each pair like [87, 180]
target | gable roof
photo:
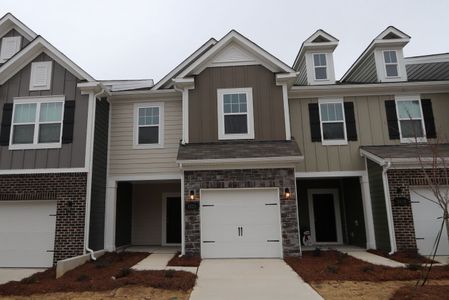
[391, 36]
[167, 79]
[37, 46]
[8, 22]
[267, 59]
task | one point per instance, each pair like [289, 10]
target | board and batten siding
[124, 159]
[372, 129]
[267, 102]
[62, 83]
[12, 33]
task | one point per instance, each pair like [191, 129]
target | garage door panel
[427, 222]
[27, 233]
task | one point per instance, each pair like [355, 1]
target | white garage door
[27, 233]
[427, 220]
[240, 223]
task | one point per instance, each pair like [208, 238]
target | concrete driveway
[249, 279]
[16, 274]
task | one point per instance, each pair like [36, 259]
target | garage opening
[148, 213]
[331, 212]
[240, 223]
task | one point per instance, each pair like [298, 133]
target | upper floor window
[40, 78]
[148, 128]
[410, 118]
[37, 123]
[235, 114]
[391, 63]
[320, 66]
[10, 46]
[332, 119]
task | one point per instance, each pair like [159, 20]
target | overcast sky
[132, 39]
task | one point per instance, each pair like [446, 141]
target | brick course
[251, 178]
[399, 181]
[69, 189]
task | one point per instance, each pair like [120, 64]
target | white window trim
[136, 126]
[49, 65]
[36, 144]
[410, 140]
[325, 66]
[18, 41]
[249, 112]
[390, 64]
[333, 142]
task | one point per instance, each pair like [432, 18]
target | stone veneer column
[243, 178]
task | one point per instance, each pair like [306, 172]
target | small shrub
[413, 267]
[332, 269]
[170, 273]
[317, 252]
[83, 277]
[123, 273]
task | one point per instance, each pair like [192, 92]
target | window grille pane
[23, 134]
[333, 131]
[236, 124]
[25, 113]
[49, 133]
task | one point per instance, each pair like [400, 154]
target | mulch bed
[334, 265]
[109, 272]
[184, 261]
[406, 257]
[432, 292]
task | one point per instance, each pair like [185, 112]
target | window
[40, 76]
[235, 114]
[148, 131]
[410, 118]
[332, 119]
[391, 63]
[10, 46]
[320, 65]
[37, 123]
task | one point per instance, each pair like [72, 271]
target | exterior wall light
[192, 195]
[287, 193]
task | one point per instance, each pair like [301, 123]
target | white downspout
[386, 167]
[89, 153]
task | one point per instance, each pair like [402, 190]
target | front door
[324, 213]
[173, 220]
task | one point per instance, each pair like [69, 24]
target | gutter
[385, 168]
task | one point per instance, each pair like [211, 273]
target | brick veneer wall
[399, 181]
[251, 178]
[65, 188]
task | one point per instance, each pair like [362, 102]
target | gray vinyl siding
[365, 72]
[62, 83]
[302, 76]
[124, 159]
[378, 205]
[99, 174]
[372, 129]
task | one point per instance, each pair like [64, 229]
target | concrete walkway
[16, 274]
[249, 279]
[159, 261]
[375, 259]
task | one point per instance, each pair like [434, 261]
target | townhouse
[232, 154]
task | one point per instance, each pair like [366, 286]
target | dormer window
[10, 46]
[320, 66]
[391, 63]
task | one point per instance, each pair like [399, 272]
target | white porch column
[110, 210]
[368, 212]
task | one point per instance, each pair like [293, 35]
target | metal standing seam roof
[428, 71]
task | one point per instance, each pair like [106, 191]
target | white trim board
[330, 174]
[164, 218]
[9, 21]
[145, 177]
[43, 171]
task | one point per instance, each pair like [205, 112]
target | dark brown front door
[173, 220]
[324, 215]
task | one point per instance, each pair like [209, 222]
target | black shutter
[69, 117]
[429, 121]
[351, 129]
[6, 124]
[315, 128]
[392, 119]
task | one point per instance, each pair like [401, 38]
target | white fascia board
[292, 159]
[389, 88]
[166, 94]
[146, 177]
[9, 21]
[380, 161]
[330, 174]
[184, 83]
[43, 171]
[308, 44]
[92, 86]
[394, 30]
[286, 78]
[37, 46]
[166, 79]
[236, 37]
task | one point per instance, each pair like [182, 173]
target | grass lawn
[111, 272]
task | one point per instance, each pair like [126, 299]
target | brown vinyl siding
[372, 129]
[267, 102]
[62, 83]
